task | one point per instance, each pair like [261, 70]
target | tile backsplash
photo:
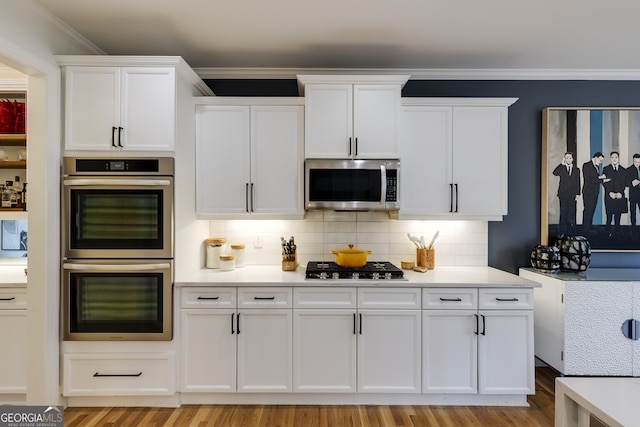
[460, 242]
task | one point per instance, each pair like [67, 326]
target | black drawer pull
[7, 299]
[507, 299]
[98, 374]
[208, 298]
[264, 298]
[451, 299]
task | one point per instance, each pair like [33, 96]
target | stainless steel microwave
[351, 185]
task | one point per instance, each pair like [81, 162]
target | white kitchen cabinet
[324, 337]
[236, 342]
[249, 160]
[580, 321]
[352, 117]
[478, 341]
[454, 158]
[389, 337]
[125, 104]
[13, 353]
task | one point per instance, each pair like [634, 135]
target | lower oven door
[117, 300]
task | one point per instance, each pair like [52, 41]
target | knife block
[290, 262]
[426, 258]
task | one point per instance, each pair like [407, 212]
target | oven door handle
[136, 182]
[115, 267]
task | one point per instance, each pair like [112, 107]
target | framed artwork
[591, 176]
[14, 235]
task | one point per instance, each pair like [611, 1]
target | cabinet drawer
[389, 298]
[13, 298]
[208, 297]
[265, 297]
[324, 298]
[507, 299]
[450, 298]
[118, 374]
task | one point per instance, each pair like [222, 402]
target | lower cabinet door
[208, 350]
[389, 356]
[265, 350]
[13, 352]
[505, 352]
[324, 352]
[450, 351]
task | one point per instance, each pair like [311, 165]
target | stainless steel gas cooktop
[374, 270]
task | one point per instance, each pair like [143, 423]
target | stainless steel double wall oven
[117, 236]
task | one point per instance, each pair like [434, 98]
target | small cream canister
[214, 248]
[238, 251]
[227, 262]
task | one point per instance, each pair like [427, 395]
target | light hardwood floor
[539, 414]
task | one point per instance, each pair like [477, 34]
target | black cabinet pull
[208, 298]
[456, 197]
[7, 299]
[360, 326]
[450, 197]
[356, 146]
[246, 197]
[232, 330]
[354, 323]
[451, 299]
[253, 203]
[264, 298]
[484, 324]
[98, 374]
[113, 136]
[507, 299]
[477, 322]
[349, 146]
[238, 324]
[120, 136]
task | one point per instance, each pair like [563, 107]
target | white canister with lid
[214, 248]
[238, 250]
[227, 262]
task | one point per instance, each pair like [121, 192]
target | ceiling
[377, 34]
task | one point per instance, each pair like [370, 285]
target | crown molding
[425, 73]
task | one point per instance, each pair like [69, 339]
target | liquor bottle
[6, 194]
[16, 198]
[24, 197]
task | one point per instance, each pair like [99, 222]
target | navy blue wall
[511, 240]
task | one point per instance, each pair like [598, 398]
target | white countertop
[272, 275]
[12, 276]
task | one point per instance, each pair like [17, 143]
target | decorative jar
[575, 253]
[545, 258]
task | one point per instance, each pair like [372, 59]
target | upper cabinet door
[376, 115]
[426, 160]
[480, 160]
[328, 121]
[92, 107]
[277, 159]
[222, 159]
[148, 108]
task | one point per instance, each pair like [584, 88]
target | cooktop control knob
[323, 275]
[387, 276]
[355, 275]
[335, 275]
[375, 275]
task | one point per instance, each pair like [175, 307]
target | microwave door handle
[383, 186]
[136, 182]
[115, 267]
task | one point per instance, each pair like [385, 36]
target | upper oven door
[118, 217]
